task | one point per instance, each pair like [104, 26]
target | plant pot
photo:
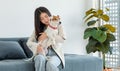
[107, 69]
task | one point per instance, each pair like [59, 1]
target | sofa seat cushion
[11, 50]
[16, 65]
[74, 62]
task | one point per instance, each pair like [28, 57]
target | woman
[54, 56]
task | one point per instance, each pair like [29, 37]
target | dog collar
[52, 27]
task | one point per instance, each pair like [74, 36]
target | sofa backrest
[14, 39]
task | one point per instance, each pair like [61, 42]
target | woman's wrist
[39, 45]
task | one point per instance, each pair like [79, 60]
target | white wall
[17, 19]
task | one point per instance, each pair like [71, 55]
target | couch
[11, 62]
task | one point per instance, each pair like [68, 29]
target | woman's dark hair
[39, 26]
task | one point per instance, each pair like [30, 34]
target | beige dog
[51, 32]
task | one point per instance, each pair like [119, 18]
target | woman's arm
[32, 44]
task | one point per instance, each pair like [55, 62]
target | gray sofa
[73, 62]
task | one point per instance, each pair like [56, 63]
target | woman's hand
[42, 37]
[40, 50]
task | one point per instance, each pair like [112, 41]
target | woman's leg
[53, 63]
[39, 63]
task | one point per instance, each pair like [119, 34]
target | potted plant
[99, 37]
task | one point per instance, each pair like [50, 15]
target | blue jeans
[48, 63]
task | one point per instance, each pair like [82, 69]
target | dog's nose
[60, 22]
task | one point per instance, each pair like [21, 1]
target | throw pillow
[11, 50]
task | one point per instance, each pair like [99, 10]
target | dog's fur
[51, 33]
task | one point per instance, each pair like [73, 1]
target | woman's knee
[54, 61]
[39, 58]
[51, 63]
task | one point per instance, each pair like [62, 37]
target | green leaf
[89, 49]
[102, 28]
[92, 41]
[88, 32]
[104, 48]
[99, 35]
[91, 22]
[91, 45]
[105, 17]
[110, 49]
[110, 37]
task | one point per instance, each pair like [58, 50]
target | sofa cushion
[11, 50]
[74, 62]
[16, 65]
[26, 49]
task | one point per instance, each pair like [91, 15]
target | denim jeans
[48, 63]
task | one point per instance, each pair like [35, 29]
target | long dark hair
[39, 26]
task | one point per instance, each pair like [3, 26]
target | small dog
[51, 32]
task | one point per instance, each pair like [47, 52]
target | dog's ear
[58, 17]
[54, 18]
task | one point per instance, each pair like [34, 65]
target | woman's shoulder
[33, 33]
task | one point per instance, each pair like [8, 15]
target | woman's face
[44, 18]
